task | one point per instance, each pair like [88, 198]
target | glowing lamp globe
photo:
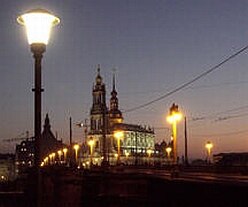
[119, 134]
[175, 116]
[38, 24]
[91, 142]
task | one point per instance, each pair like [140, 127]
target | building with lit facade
[105, 121]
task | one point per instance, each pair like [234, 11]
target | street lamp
[53, 155]
[118, 135]
[173, 117]
[60, 154]
[127, 155]
[65, 153]
[149, 152]
[91, 143]
[76, 148]
[168, 150]
[38, 25]
[209, 145]
[51, 159]
[46, 161]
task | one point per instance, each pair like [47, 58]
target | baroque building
[104, 121]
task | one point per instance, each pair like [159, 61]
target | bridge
[131, 186]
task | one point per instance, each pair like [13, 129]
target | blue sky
[155, 45]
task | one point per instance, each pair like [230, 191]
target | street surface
[193, 176]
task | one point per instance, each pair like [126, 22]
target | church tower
[115, 115]
[99, 105]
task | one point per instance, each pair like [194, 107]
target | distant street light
[173, 117]
[168, 151]
[76, 148]
[51, 159]
[149, 152]
[127, 154]
[65, 154]
[60, 156]
[118, 135]
[53, 156]
[209, 145]
[91, 143]
[46, 161]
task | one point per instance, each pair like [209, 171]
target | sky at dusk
[155, 46]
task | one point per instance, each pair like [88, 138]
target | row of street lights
[50, 159]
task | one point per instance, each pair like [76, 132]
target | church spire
[98, 77]
[113, 92]
[47, 125]
[115, 114]
[114, 70]
[98, 69]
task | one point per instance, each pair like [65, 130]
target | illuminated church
[137, 140]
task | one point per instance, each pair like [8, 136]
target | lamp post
[53, 155]
[127, 155]
[168, 150]
[173, 118]
[60, 155]
[65, 154]
[46, 161]
[118, 135]
[149, 152]
[91, 143]
[76, 148]
[50, 159]
[38, 23]
[209, 145]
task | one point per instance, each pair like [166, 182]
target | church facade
[137, 140]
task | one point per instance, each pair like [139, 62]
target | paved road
[194, 176]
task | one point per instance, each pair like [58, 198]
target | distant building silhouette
[49, 143]
[231, 159]
[25, 150]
